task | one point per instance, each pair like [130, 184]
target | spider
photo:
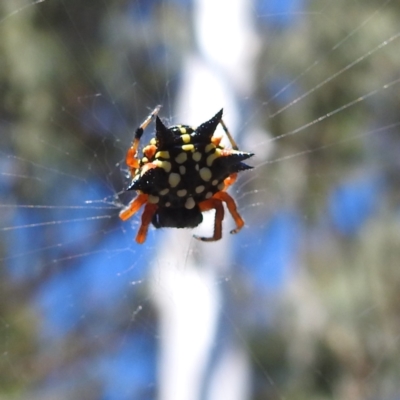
[184, 172]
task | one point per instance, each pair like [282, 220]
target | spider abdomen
[182, 173]
[182, 176]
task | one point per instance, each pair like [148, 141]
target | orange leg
[149, 151]
[230, 180]
[212, 204]
[223, 196]
[147, 216]
[232, 142]
[133, 207]
[216, 139]
[131, 160]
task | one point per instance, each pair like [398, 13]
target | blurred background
[303, 303]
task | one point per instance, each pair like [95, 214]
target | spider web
[301, 303]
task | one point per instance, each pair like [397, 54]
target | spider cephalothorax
[184, 171]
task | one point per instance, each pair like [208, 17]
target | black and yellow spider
[184, 171]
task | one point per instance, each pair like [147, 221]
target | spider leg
[231, 140]
[131, 160]
[216, 139]
[212, 204]
[230, 180]
[133, 207]
[147, 216]
[224, 196]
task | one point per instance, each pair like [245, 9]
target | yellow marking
[145, 160]
[181, 193]
[196, 156]
[199, 189]
[209, 147]
[187, 147]
[164, 192]
[182, 129]
[153, 199]
[205, 174]
[174, 179]
[166, 165]
[196, 167]
[185, 138]
[214, 182]
[153, 141]
[221, 186]
[211, 158]
[181, 158]
[208, 195]
[190, 203]
[182, 170]
[162, 154]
